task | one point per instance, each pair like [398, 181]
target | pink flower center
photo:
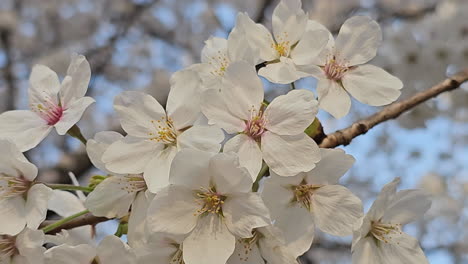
[335, 70]
[7, 246]
[13, 186]
[256, 125]
[49, 111]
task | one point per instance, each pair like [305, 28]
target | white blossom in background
[266, 244]
[114, 196]
[342, 70]
[22, 201]
[314, 199]
[210, 202]
[274, 133]
[155, 135]
[219, 53]
[290, 48]
[380, 239]
[24, 248]
[53, 104]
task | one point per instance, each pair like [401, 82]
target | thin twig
[345, 136]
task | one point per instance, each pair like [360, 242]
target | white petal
[80, 73]
[309, 47]
[277, 193]
[36, 205]
[12, 215]
[336, 210]
[73, 114]
[137, 112]
[333, 98]
[358, 40]
[250, 155]
[322, 58]
[372, 85]
[25, 128]
[183, 101]
[292, 113]
[111, 198]
[130, 154]
[382, 202]
[14, 163]
[298, 227]
[209, 243]
[282, 72]
[333, 164]
[238, 48]
[205, 138]
[44, 85]
[244, 212]
[65, 203]
[157, 170]
[65, 254]
[227, 174]
[97, 146]
[216, 110]
[112, 250]
[243, 89]
[258, 36]
[137, 233]
[190, 168]
[407, 206]
[405, 250]
[178, 218]
[29, 244]
[289, 155]
[272, 247]
[289, 21]
[367, 252]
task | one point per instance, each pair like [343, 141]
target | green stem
[293, 86]
[57, 224]
[261, 174]
[76, 133]
[69, 187]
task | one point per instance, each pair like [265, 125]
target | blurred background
[137, 45]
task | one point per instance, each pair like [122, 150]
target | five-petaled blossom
[291, 49]
[114, 196]
[53, 104]
[298, 204]
[210, 201]
[22, 201]
[219, 53]
[24, 248]
[380, 239]
[274, 133]
[155, 135]
[341, 69]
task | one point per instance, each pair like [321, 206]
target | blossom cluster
[218, 175]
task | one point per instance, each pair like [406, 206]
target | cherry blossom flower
[266, 244]
[53, 104]
[342, 69]
[291, 48]
[298, 204]
[211, 203]
[22, 201]
[24, 248]
[114, 196]
[218, 53]
[380, 238]
[274, 133]
[155, 136]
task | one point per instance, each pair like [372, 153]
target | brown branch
[87, 219]
[345, 136]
